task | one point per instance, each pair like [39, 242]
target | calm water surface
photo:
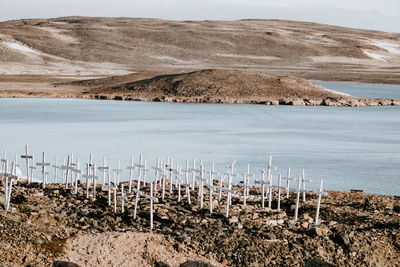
[347, 147]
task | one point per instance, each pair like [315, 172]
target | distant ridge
[115, 46]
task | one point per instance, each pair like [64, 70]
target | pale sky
[367, 14]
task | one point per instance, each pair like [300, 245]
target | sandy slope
[124, 249]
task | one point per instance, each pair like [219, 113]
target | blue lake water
[364, 90]
[347, 147]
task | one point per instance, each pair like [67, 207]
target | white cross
[298, 191]
[187, 184]
[263, 183]
[246, 183]
[229, 197]
[9, 181]
[288, 179]
[131, 168]
[67, 168]
[89, 176]
[56, 166]
[163, 176]
[303, 181]
[151, 198]
[123, 197]
[77, 172]
[279, 187]
[320, 193]
[118, 171]
[211, 188]
[157, 169]
[140, 166]
[27, 157]
[44, 164]
[269, 176]
[104, 168]
[32, 168]
[138, 193]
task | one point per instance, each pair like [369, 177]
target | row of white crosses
[163, 171]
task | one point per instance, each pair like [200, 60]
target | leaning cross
[320, 193]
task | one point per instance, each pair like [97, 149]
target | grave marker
[131, 168]
[320, 193]
[104, 168]
[27, 157]
[43, 164]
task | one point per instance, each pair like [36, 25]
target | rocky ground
[54, 224]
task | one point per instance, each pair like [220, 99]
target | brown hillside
[114, 46]
[223, 85]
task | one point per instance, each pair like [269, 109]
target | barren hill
[215, 86]
[99, 47]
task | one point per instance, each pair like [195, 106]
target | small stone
[240, 226]
[272, 222]
[234, 219]
[255, 216]
[305, 224]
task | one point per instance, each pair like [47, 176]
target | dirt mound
[213, 85]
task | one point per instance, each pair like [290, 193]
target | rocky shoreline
[356, 229]
[331, 102]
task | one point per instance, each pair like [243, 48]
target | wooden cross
[163, 177]
[211, 188]
[151, 198]
[5, 174]
[27, 157]
[89, 176]
[104, 168]
[187, 184]
[279, 187]
[123, 198]
[77, 172]
[8, 184]
[118, 171]
[157, 170]
[67, 168]
[263, 183]
[44, 164]
[109, 187]
[269, 176]
[288, 179]
[138, 193]
[246, 183]
[4, 162]
[320, 193]
[298, 191]
[303, 181]
[56, 166]
[131, 168]
[140, 166]
[32, 168]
